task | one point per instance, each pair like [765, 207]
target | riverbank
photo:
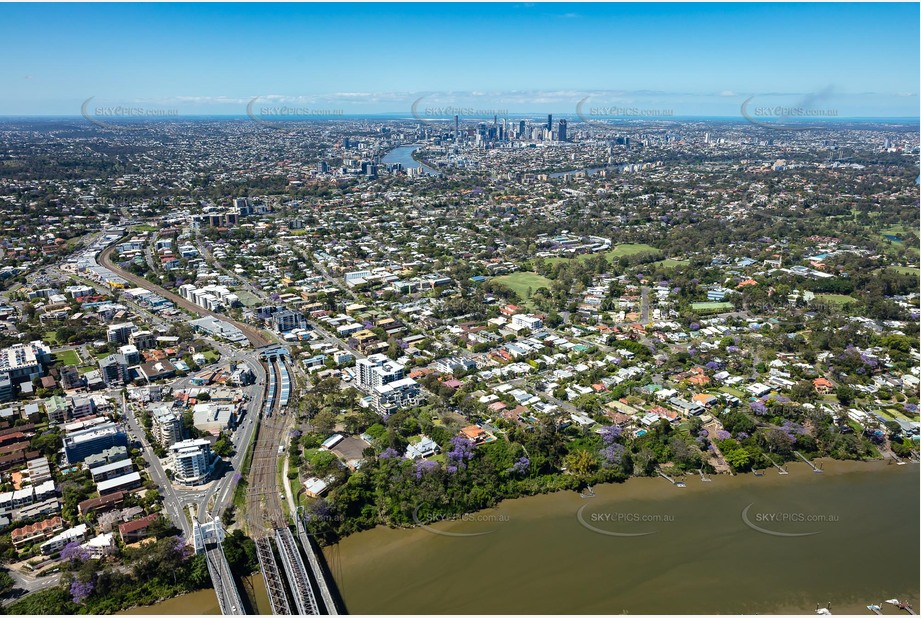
[537, 555]
[201, 602]
[405, 155]
[418, 159]
[205, 603]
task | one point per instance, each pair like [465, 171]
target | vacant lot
[67, 357]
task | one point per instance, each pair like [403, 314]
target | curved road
[255, 336]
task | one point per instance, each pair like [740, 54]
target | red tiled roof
[40, 526]
[137, 524]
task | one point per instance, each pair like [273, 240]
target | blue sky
[686, 59]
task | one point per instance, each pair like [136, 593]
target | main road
[255, 336]
[172, 503]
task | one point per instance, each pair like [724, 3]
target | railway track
[254, 335]
[264, 508]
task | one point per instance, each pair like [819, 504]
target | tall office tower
[549, 122]
[456, 128]
[706, 138]
[521, 129]
[562, 131]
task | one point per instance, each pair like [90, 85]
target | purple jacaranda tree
[389, 453]
[521, 466]
[423, 467]
[613, 454]
[609, 433]
[792, 429]
[80, 590]
[460, 453]
[74, 552]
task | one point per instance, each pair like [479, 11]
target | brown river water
[769, 544]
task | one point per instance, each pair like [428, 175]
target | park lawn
[894, 230]
[522, 280]
[67, 357]
[87, 368]
[612, 254]
[905, 270]
[144, 228]
[899, 230]
[836, 299]
[630, 249]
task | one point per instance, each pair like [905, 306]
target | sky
[429, 60]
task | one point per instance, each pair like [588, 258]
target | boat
[875, 609]
[906, 606]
